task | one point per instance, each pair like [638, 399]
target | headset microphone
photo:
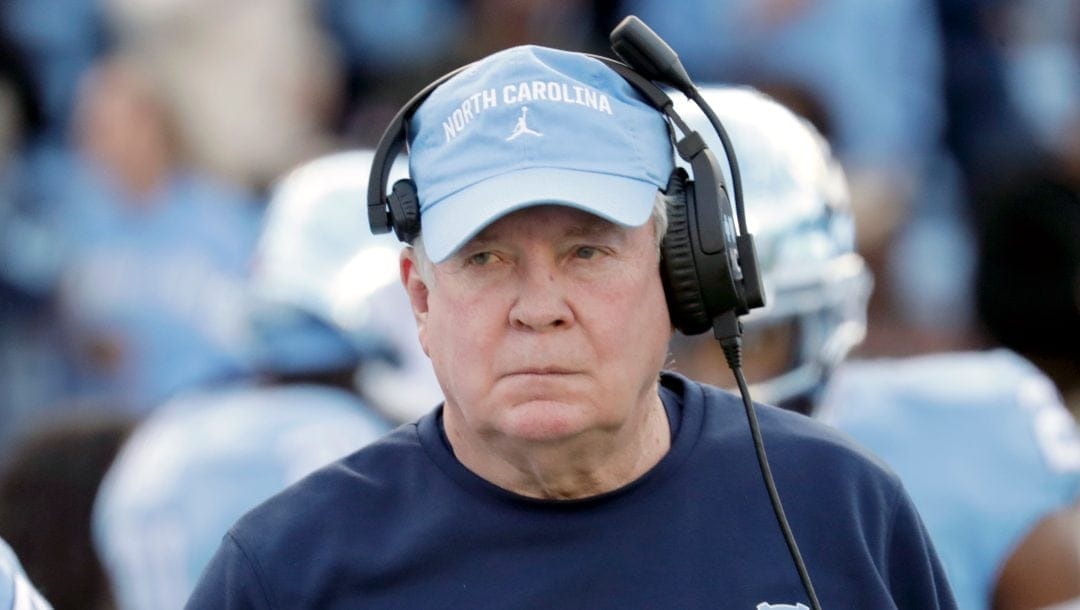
[644, 51]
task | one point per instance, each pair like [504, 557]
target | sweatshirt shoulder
[789, 437]
[358, 481]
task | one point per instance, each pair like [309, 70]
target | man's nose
[541, 301]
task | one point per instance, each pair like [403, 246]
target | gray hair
[659, 219]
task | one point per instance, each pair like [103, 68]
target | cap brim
[449, 223]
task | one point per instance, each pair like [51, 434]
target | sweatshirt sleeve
[229, 582]
[916, 576]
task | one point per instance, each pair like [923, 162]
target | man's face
[549, 324]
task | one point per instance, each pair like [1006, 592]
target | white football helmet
[798, 210]
[317, 264]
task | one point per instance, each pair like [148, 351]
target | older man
[564, 468]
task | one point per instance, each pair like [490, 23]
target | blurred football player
[320, 309]
[981, 440]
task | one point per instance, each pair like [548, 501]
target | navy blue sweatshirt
[402, 524]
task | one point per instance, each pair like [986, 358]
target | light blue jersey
[16, 592]
[982, 442]
[202, 461]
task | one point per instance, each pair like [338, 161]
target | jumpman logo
[521, 128]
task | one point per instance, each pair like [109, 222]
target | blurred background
[140, 141]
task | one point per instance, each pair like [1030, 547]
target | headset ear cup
[404, 210]
[686, 304]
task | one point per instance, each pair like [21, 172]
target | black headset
[709, 270]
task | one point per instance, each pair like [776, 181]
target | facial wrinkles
[537, 298]
[536, 277]
[588, 327]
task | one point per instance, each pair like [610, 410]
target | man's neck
[589, 464]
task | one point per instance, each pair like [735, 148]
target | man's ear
[417, 290]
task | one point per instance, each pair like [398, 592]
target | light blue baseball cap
[530, 126]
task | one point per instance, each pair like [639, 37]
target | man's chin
[546, 421]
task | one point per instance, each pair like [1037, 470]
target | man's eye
[480, 258]
[586, 252]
